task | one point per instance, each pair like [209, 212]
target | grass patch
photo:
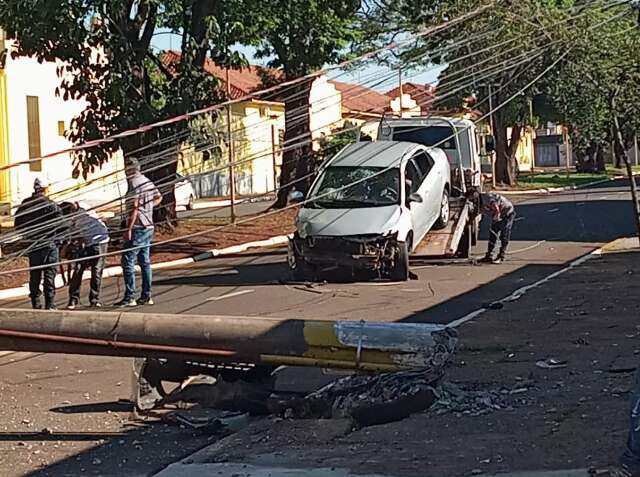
[553, 180]
[621, 171]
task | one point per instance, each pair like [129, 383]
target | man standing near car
[142, 196]
[93, 235]
[502, 214]
[38, 218]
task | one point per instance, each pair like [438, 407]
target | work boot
[125, 303]
[486, 259]
[145, 300]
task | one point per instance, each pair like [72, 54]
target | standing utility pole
[400, 89]
[619, 140]
[273, 158]
[232, 172]
[493, 133]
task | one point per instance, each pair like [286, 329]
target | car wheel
[400, 270]
[192, 202]
[445, 211]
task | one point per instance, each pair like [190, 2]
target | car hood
[340, 222]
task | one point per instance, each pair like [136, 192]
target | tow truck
[464, 145]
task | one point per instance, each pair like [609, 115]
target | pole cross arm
[370, 346]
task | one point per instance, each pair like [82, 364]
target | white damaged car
[369, 207]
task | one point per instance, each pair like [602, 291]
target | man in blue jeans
[630, 460]
[142, 196]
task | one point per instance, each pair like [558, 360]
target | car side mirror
[490, 144]
[415, 197]
[295, 197]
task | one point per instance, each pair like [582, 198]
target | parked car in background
[369, 207]
[184, 192]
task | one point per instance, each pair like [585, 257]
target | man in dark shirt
[502, 214]
[38, 219]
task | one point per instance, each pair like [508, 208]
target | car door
[419, 210]
[431, 187]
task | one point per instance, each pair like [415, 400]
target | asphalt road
[76, 398]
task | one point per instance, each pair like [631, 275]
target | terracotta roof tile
[361, 99]
[243, 81]
[247, 80]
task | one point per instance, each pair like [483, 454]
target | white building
[33, 121]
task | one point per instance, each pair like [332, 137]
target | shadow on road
[98, 407]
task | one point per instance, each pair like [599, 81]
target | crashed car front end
[374, 252]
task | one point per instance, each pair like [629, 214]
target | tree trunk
[506, 149]
[599, 160]
[298, 157]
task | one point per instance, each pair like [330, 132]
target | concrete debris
[210, 420]
[453, 399]
[551, 363]
[367, 399]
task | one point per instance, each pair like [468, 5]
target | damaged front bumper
[361, 252]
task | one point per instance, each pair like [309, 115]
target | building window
[33, 129]
[61, 128]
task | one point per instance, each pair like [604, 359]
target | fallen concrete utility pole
[234, 339]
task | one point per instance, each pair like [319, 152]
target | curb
[184, 469]
[116, 271]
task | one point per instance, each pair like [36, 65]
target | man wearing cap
[38, 218]
[502, 214]
[93, 235]
[142, 196]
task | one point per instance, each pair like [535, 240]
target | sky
[380, 78]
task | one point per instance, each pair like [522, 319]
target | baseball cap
[40, 183]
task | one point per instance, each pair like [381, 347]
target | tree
[301, 37]
[509, 45]
[604, 65]
[108, 61]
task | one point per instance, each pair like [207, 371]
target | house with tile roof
[259, 125]
[417, 99]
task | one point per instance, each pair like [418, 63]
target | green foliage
[512, 43]
[109, 62]
[301, 36]
[604, 63]
[339, 138]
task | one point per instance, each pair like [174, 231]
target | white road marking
[523, 290]
[551, 211]
[530, 247]
[230, 295]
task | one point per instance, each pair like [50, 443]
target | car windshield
[430, 136]
[353, 187]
